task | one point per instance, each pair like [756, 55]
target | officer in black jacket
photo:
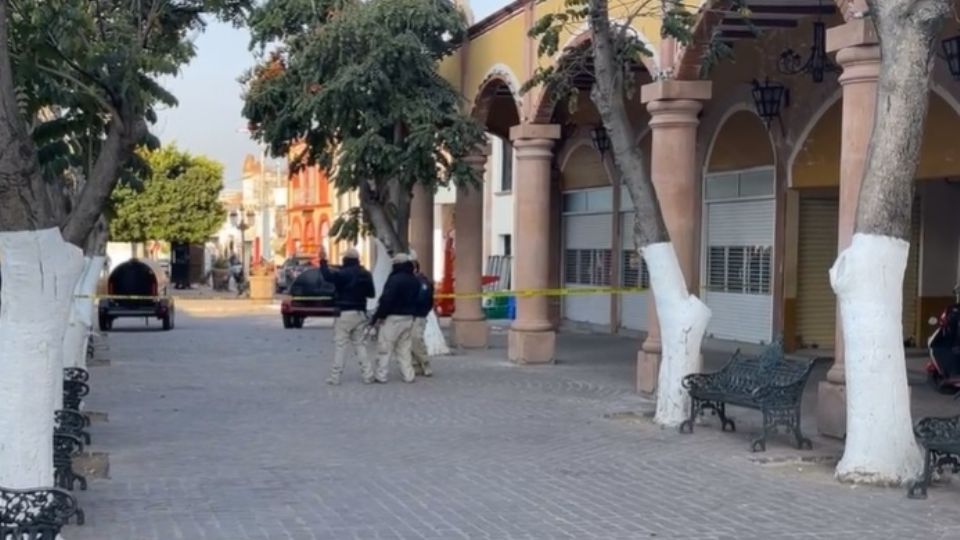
[419, 353]
[395, 312]
[354, 286]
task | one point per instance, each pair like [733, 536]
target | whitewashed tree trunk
[683, 321]
[80, 324]
[868, 276]
[868, 280]
[40, 271]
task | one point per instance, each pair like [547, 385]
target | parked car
[291, 268]
[300, 304]
[146, 283]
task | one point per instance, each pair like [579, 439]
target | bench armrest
[705, 380]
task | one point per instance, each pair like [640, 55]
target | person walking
[394, 316]
[354, 285]
[420, 355]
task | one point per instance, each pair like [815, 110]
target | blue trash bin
[511, 307]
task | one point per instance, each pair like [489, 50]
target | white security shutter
[590, 231]
[739, 256]
[816, 253]
[633, 306]
[587, 260]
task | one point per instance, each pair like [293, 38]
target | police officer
[421, 358]
[394, 315]
[354, 285]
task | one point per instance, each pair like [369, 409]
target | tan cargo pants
[394, 342]
[348, 332]
[421, 359]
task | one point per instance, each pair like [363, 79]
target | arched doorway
[739, 223]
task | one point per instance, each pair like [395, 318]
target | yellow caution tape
[526, 293]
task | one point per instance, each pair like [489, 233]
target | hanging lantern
[601, 141]
[951, 53]
[768, 97]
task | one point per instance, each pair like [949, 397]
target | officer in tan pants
[394, 316]
[421, 357]
[354, 285]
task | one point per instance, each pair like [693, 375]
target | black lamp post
[600, 139]
[768, 97]
[951, 53]
[242, 221]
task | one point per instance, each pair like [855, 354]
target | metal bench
[71, 423]
[940, 439]
[65, 447]
[768, 383]
[73, 394]
[36, 514]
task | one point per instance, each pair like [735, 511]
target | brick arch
[545, 104]
[497, 105]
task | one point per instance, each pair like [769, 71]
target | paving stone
[223, 429]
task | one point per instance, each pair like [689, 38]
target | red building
[309, 211]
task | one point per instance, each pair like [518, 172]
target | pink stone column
[859, 56]
[421, 228]
[469, 323]
[673, 107]
[532, 339]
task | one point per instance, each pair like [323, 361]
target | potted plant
[262, 281]
[221, 274]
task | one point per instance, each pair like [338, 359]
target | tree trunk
[868, 276]
[683, 317]
[39, 272]
[96, 243]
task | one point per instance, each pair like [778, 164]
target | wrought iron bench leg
[918, 488]
[802, 442]
[721, 409]
[696, 407]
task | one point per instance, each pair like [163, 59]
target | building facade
[757, 199]
[309, 211]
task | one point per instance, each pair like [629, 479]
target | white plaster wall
[501, 214]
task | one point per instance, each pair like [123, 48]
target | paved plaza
[223, 430]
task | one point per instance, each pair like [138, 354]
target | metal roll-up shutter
[739, 213]
[816, 253]
[587, 260]
[911, 282]
[633, 306]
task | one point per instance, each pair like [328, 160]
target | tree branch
[120, 142]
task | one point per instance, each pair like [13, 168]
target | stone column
[532, 339]
[469, 324]
[674, 107]
[859, 56]
[421, 228]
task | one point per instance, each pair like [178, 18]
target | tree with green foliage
[178, 201]
[78, 90]
[353, 86]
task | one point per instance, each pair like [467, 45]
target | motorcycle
[943, 368]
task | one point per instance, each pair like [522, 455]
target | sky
[208, 120]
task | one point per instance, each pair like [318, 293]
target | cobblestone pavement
[222, 430]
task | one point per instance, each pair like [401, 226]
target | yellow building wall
[742, 143]
[818, 162]
[501, 45]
